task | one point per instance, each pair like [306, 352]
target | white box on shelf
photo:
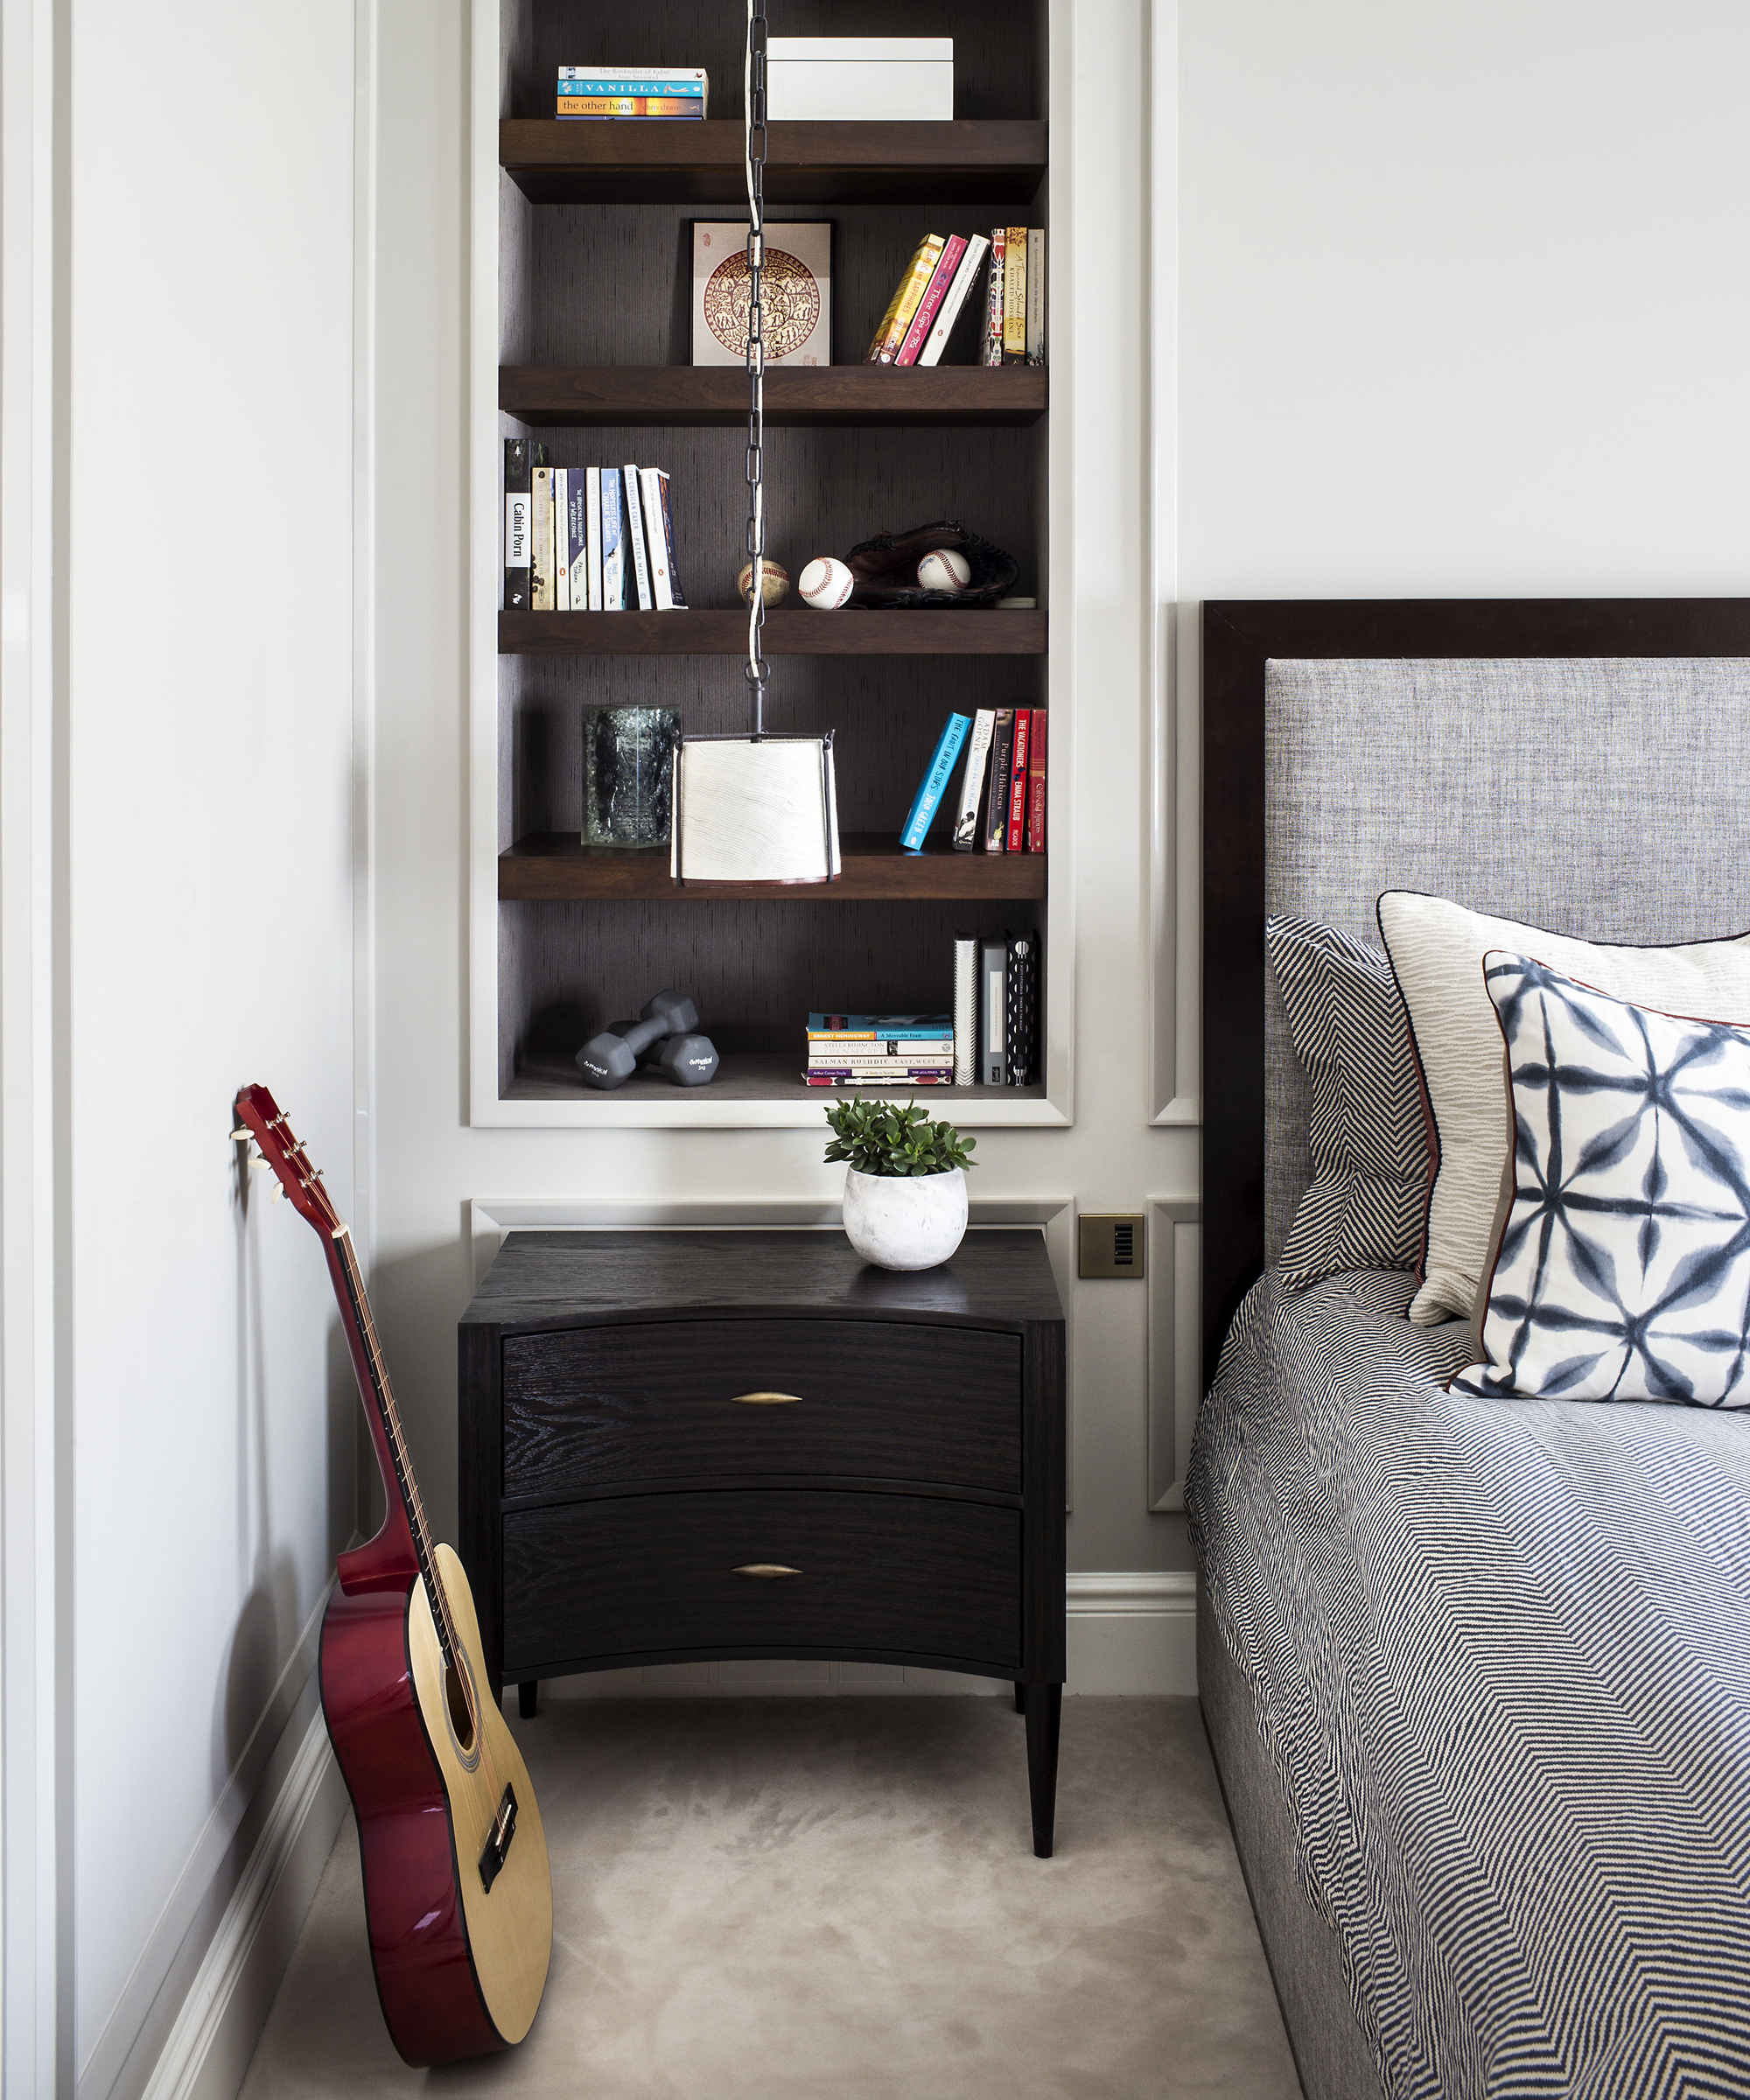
[901, 80]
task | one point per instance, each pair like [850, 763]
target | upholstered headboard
[1584, 765]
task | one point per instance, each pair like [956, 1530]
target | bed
[1476, 1673]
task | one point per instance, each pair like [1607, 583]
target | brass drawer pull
[766, 1399]
[765, 1569]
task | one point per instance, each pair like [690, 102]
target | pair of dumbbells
[663, 1038]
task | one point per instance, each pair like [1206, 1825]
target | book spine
[650, 502]
[954, 305]
[1036, 295]
[613, 542]
[1015, 297]
[635, 80]
[995, 827]
[934, 292]
[634, 532]
[1021, 998]
[541, 595]
[972, 780]
[1036, 744]
[965, 1009]
[516, 525]
[577, 541]
[992, 1012]
[1018, 780]
[562, 539]
[888, 1067]
[677, 598]
[934, 784]
[993, 296]
[676, 108]
[915, 1079]
[823, 1051]
[904, 303]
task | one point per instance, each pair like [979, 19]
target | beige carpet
[837, 1899]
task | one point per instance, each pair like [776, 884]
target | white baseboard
[1128, 1633]
[215, 2036]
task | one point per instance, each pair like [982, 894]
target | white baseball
[825, 584]
[948, 569]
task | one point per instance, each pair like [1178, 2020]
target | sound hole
[455, 1693]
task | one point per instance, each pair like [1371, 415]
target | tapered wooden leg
[526, 1695]
[1021, 1697]
[1043, 1705]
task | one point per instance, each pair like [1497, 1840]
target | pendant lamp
[755, 807]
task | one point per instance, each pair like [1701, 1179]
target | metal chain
[753, 85]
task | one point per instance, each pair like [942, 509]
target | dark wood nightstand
[683, 1445]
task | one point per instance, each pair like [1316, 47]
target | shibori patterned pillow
[1368, 1129]
[1623, 1267]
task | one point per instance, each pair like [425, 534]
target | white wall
[209, 895]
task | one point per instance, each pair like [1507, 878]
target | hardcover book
[972, 780]
[634, 534]
[517, 535]
[1015, 297]
[886, 1027]
[883, 346]
[645, 91]
[1021, 996]
[541, 594]
[591, 599]
[924, 319]
[993, 1010]
[578, 537]
[965, 1009]
[1036, 295]
[1036, 746]
[562, 539]
[993, 296]
[613, 541]
[795, 290]
[995, 827]
[1018, 781]
[665, 512]
[935, 783]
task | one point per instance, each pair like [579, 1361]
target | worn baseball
[774, 581]
[826, 583]
[947, 569]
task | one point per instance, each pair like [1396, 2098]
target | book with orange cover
[885, 347]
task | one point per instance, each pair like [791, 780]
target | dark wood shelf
[741, 1076]
[707, 396]
[851, 631]
[553, 161]
[554, 867]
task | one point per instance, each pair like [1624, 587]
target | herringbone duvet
[1500, 1652]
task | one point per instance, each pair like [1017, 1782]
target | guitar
[457, 1895]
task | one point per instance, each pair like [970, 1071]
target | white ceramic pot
[904, 1220]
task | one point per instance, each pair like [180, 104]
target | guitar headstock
[259, 1117]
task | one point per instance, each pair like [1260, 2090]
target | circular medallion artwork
[788, 292]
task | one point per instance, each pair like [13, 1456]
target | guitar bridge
[498, 1842]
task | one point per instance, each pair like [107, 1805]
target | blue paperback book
[935, 783]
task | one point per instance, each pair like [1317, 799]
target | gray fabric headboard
[1607, 797]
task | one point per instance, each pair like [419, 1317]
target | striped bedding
[1500, 1652]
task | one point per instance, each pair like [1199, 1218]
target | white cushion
[1624, 1267]
[1436, 951]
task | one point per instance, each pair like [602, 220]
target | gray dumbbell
[609, 1060]
[689, 1060]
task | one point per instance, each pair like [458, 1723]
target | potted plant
[904, 1182]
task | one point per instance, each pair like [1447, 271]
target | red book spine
[1036, 783]
[924, 319]
[1018, 780]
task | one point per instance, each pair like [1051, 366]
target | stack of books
[929, 300]
[586, 539]
[607, 93]
[1001, 807]
[996, 1009]
[890, 1050]
[1014, 298]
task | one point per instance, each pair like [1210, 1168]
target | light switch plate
[1111, 1243]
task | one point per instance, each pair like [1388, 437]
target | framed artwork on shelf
[796, 285]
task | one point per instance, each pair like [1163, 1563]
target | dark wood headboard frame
[1239, 639]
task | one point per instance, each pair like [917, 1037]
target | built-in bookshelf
[582, 335]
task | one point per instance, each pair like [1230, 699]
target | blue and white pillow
[1623, 1269]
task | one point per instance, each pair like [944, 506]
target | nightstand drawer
[619, 1406]
[640, 1575]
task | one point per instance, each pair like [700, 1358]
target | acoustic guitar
[457, 1891]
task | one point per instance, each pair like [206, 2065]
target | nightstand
[683, 1445]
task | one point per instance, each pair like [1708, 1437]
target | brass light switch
[1111, 1243]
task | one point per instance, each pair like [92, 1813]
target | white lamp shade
[748, 812]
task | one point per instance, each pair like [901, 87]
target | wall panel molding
[1175, 1241]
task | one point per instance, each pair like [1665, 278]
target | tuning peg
[278, 1192]
[259, 1160]
[241, 1136]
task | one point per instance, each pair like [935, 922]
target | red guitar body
[430, 2000]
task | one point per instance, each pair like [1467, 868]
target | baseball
[948, 569]
[774, 581]
[826, 583]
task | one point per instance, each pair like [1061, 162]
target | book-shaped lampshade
[755, 812]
